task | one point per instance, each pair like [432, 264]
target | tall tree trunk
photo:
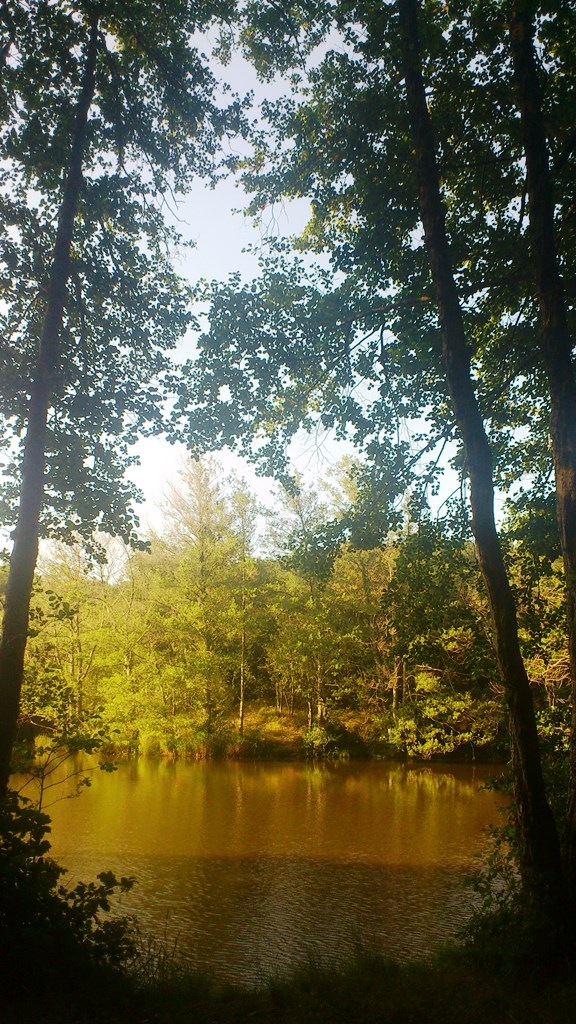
[26, 534]
[242, 680]
[243, 604]
[536, 832]
[398, 673]
[556, 345]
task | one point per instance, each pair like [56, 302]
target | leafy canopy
[154, 126]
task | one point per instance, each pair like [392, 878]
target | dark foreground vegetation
[452, 990]
[458, 987]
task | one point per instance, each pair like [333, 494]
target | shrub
[45, 927]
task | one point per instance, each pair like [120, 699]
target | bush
[515, 927]
[50, 930]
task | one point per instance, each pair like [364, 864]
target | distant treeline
[225, 636]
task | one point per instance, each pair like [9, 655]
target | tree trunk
[397, 685]
[555, 343]
[243, 604]
[536, 832]
[242, 681]
[26, 534]
[320, 702]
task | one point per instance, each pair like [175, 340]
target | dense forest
[424, 317]
[277, 636]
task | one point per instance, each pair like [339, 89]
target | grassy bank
[269, 734]
[454, 989]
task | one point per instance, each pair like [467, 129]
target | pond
[251, 869]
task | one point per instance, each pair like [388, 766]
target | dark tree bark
[536, 831]
[26, 534]
[555, 343]
[7, 23]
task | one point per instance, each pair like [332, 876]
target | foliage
[435, 721]
[43, 923]
[508, 932]
[352, 344]
[453, 988]
[422, 313]
[387, 646]
[153, 126]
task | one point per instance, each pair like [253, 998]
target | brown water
[252, 868]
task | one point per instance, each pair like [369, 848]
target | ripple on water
[251, 870]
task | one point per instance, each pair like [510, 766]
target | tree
[358, 587]
[244, 510]
[205, 586]
[91, 303]
[441, 637]
[556, 341]
[427, 303]
[536, 830]
[71, 632]
[199, 547]
[88, 640]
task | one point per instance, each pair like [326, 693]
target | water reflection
[255, 867]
